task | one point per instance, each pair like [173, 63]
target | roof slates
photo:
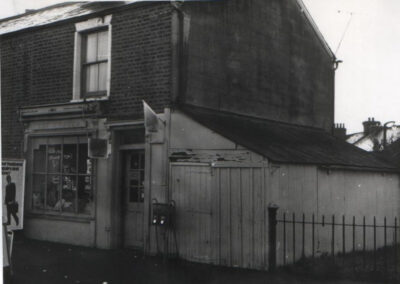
[52, 14]
[286, 143]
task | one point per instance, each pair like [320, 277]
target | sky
[364, 34]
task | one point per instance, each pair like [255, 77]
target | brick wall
[141, 59]
[259, 58]
[37, 68]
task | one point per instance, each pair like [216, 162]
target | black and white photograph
[13, 181]
[200, 141]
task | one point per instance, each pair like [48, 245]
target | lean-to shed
[224, 170]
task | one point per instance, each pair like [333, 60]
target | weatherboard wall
[222, 196]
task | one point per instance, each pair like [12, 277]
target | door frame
[121, 190]
[117, 130]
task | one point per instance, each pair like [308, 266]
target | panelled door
[133, 197]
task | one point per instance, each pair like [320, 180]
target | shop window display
[61, 175]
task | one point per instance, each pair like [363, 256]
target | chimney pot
[339, 131]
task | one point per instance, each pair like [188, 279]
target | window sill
[59, 216]
[101, 99]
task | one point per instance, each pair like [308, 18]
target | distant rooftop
[55, 13]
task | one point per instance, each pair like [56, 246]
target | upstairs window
[92, 59]
[95, 63]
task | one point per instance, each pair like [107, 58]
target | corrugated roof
[54, 13]
[286, 143]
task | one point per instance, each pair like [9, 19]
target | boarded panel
[236, 217]
[242, 216]
[247, 217]
[326, 193]
[221, 214]
[225, 218]
[191, 191]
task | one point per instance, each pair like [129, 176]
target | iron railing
[357, 239]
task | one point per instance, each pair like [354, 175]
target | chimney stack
[370, 125]
[339, 131]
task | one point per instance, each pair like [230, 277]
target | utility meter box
[162, 214]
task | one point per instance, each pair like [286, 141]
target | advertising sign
[13, 190]
[8, 238]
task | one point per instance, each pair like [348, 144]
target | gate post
[272, 210]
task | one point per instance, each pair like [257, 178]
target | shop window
[61, 175]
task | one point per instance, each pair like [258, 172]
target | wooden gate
[191, 191]
[221, 213]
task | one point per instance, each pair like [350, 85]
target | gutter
[361, 169]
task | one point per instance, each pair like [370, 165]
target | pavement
[41, 262]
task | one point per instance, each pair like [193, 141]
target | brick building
[243, 87]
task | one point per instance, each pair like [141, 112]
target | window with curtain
[95, 63]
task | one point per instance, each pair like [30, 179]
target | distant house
[243, 92]
[392, 153]
[374, 136]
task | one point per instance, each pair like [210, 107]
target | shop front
[64, 183]
[85, 176]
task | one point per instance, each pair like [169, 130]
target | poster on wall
[13, 190]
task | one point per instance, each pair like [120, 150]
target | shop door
[133, 196]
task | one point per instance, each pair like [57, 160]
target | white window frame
[81, 28]
[46, 173]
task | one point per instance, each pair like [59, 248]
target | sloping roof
[375, 138]
[286, 143]
[69, 10]
[54, 13]
[392, 153]
[354, 137]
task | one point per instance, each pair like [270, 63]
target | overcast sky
[367, 80]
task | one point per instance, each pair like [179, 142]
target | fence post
[272, 221]
[395, 245]
[374, 243]
[284, 238]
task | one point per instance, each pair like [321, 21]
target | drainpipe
[180, 36]
[385, 133]
[335, 66]
[177, 46]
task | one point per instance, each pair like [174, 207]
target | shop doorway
[133, 197]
